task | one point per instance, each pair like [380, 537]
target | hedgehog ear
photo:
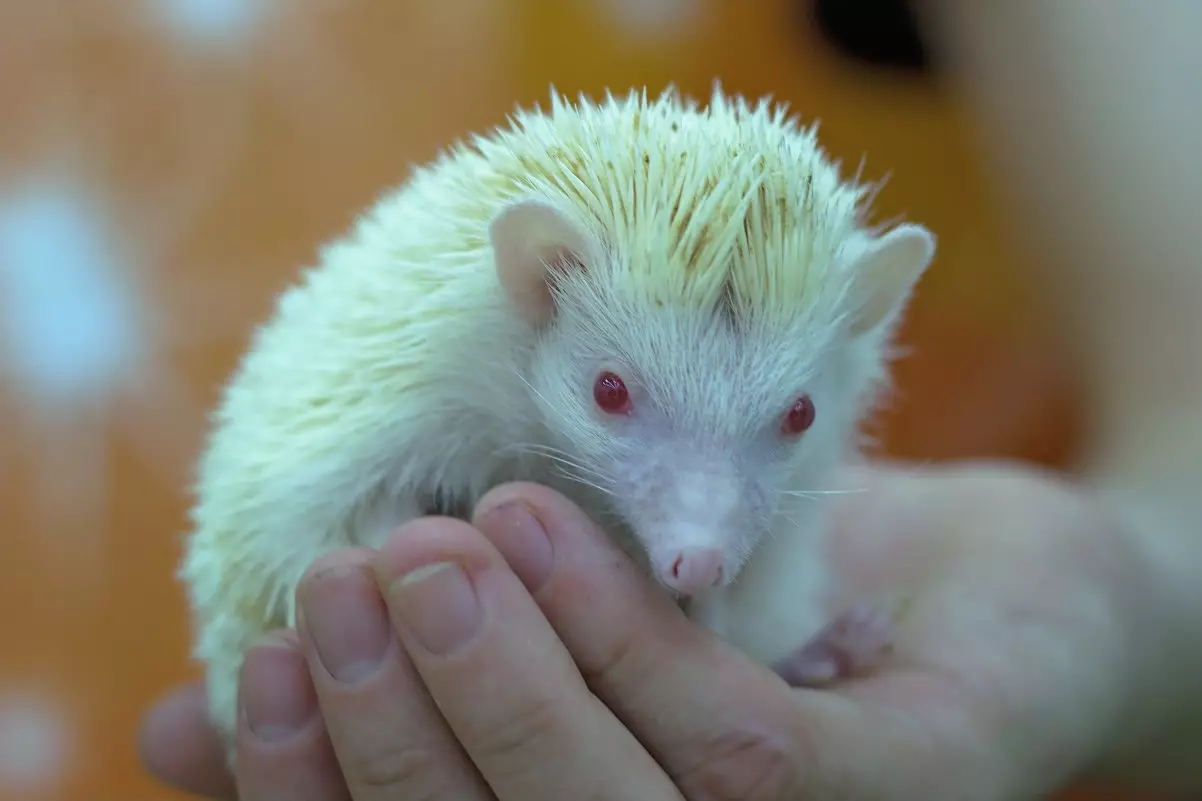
[532, 241]
[886, 269]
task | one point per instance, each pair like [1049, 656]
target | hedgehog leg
[854, 643]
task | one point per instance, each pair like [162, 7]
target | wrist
[1159, 738]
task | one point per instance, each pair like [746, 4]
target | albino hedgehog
[674, 315]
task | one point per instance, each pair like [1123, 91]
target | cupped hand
[524, 658]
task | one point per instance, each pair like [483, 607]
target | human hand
[1012, 670]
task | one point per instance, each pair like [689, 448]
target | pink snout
[693, 570]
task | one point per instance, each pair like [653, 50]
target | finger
[283, 750]
[721, 725]
[389, 737]
[180, 748]
[501, 677]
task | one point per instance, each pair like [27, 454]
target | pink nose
[694, 569]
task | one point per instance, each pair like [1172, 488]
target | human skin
[1014, 671]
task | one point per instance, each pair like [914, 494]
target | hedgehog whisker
[582, 469]
[560, 456]
[819, 493]
[532, 388]
[584, 481]
[789, 519]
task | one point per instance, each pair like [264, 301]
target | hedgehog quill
[674, 314]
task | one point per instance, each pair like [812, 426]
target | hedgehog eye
[799, 418]
[610, 394]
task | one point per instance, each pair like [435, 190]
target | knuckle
[611, 661]
[744, 763]
[414, 769]
[619, 668]
[518, 734]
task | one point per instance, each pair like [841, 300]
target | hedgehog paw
[854, 643]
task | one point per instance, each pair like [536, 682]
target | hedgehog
[676, 314]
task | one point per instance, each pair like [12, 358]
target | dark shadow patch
[878, 33]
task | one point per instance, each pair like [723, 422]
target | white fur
[712, 257]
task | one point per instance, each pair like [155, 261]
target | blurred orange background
[216, 143]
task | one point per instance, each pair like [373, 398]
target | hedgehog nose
[694, 569]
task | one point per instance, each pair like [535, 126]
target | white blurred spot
[285, 41]
[653, 17]
[34, 743]
[81, 347]
[70, 331]
[212, 22]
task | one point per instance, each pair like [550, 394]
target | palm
[1000, 567]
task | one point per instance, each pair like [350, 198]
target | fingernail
[522, 540]
[438, 604]
[348, 621]
[278, 698]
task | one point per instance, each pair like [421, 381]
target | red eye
[610, 393]
[799, 417]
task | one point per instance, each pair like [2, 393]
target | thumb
[722, 725]
[179, 747]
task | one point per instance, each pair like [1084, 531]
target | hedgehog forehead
[717, 370]
[718, 378]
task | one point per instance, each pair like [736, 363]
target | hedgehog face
[703, 421]
[700, 437]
